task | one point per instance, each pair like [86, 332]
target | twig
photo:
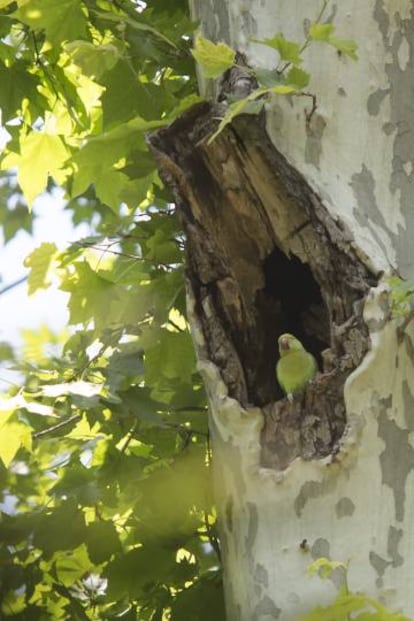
[308, 39]
[190, 408]
[13, 284]
[309, 115]
[57, 427]
[129, 437]
[188, 430]
[176, 326]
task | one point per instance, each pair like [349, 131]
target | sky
[17, 309]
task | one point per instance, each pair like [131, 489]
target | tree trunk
[290, 225]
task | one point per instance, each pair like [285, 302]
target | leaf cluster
[105, 494]
[287, 78]
[401, 296]
[347, 605]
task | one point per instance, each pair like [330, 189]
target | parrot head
[288, 343]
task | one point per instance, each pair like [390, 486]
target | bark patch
[264, 256]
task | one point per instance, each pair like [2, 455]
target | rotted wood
[254, 226]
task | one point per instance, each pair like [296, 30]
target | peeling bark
[264, 257]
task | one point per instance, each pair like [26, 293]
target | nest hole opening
[297, 303]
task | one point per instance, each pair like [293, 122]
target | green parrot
[296, 366]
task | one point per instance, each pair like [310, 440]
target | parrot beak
[284, 344]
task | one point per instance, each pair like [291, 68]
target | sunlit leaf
[41, 155]
[62, 20]
[71, 566]
[247, 105]
[345, 46]
[94, 60]
[321, 32]
[39, 262]
[324, 567]
[213, 58]
[13, 435]
[289, 51]
[325, 32]
[91, 296]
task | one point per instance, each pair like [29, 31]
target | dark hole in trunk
[297, 306]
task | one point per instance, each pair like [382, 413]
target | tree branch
[14, 284]
[57, 427]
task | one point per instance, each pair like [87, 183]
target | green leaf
[248, 105]
[94, 60]
[401, 295]
[126, 97]
[135, 24]
[324, 567]
[15, 219]
[162, 249]
[284, 89]
[6, 351]
[289, 51]
[130, 574]
[39, 261]
[16, 84]
[268, 78]
[72, 565]
[102, 541]
[111, 187]
[325, 32]
[124, 365]
[213, 58]
[202, 601]
[173, 357]
[298, 78]
[61, 528]
[101, 153]
[37, 343]
[92, 297]
[321, 32]
[41, 155]
[13, 436]
[346, 46]
[62, 20]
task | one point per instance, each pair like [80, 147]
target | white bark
[359, 155]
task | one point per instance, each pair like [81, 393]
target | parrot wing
[295, 370]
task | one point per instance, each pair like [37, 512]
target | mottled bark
[271, 250]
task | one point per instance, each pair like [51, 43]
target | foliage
[401, 296]
[106, 508]
[287, 78]
[346, 605]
